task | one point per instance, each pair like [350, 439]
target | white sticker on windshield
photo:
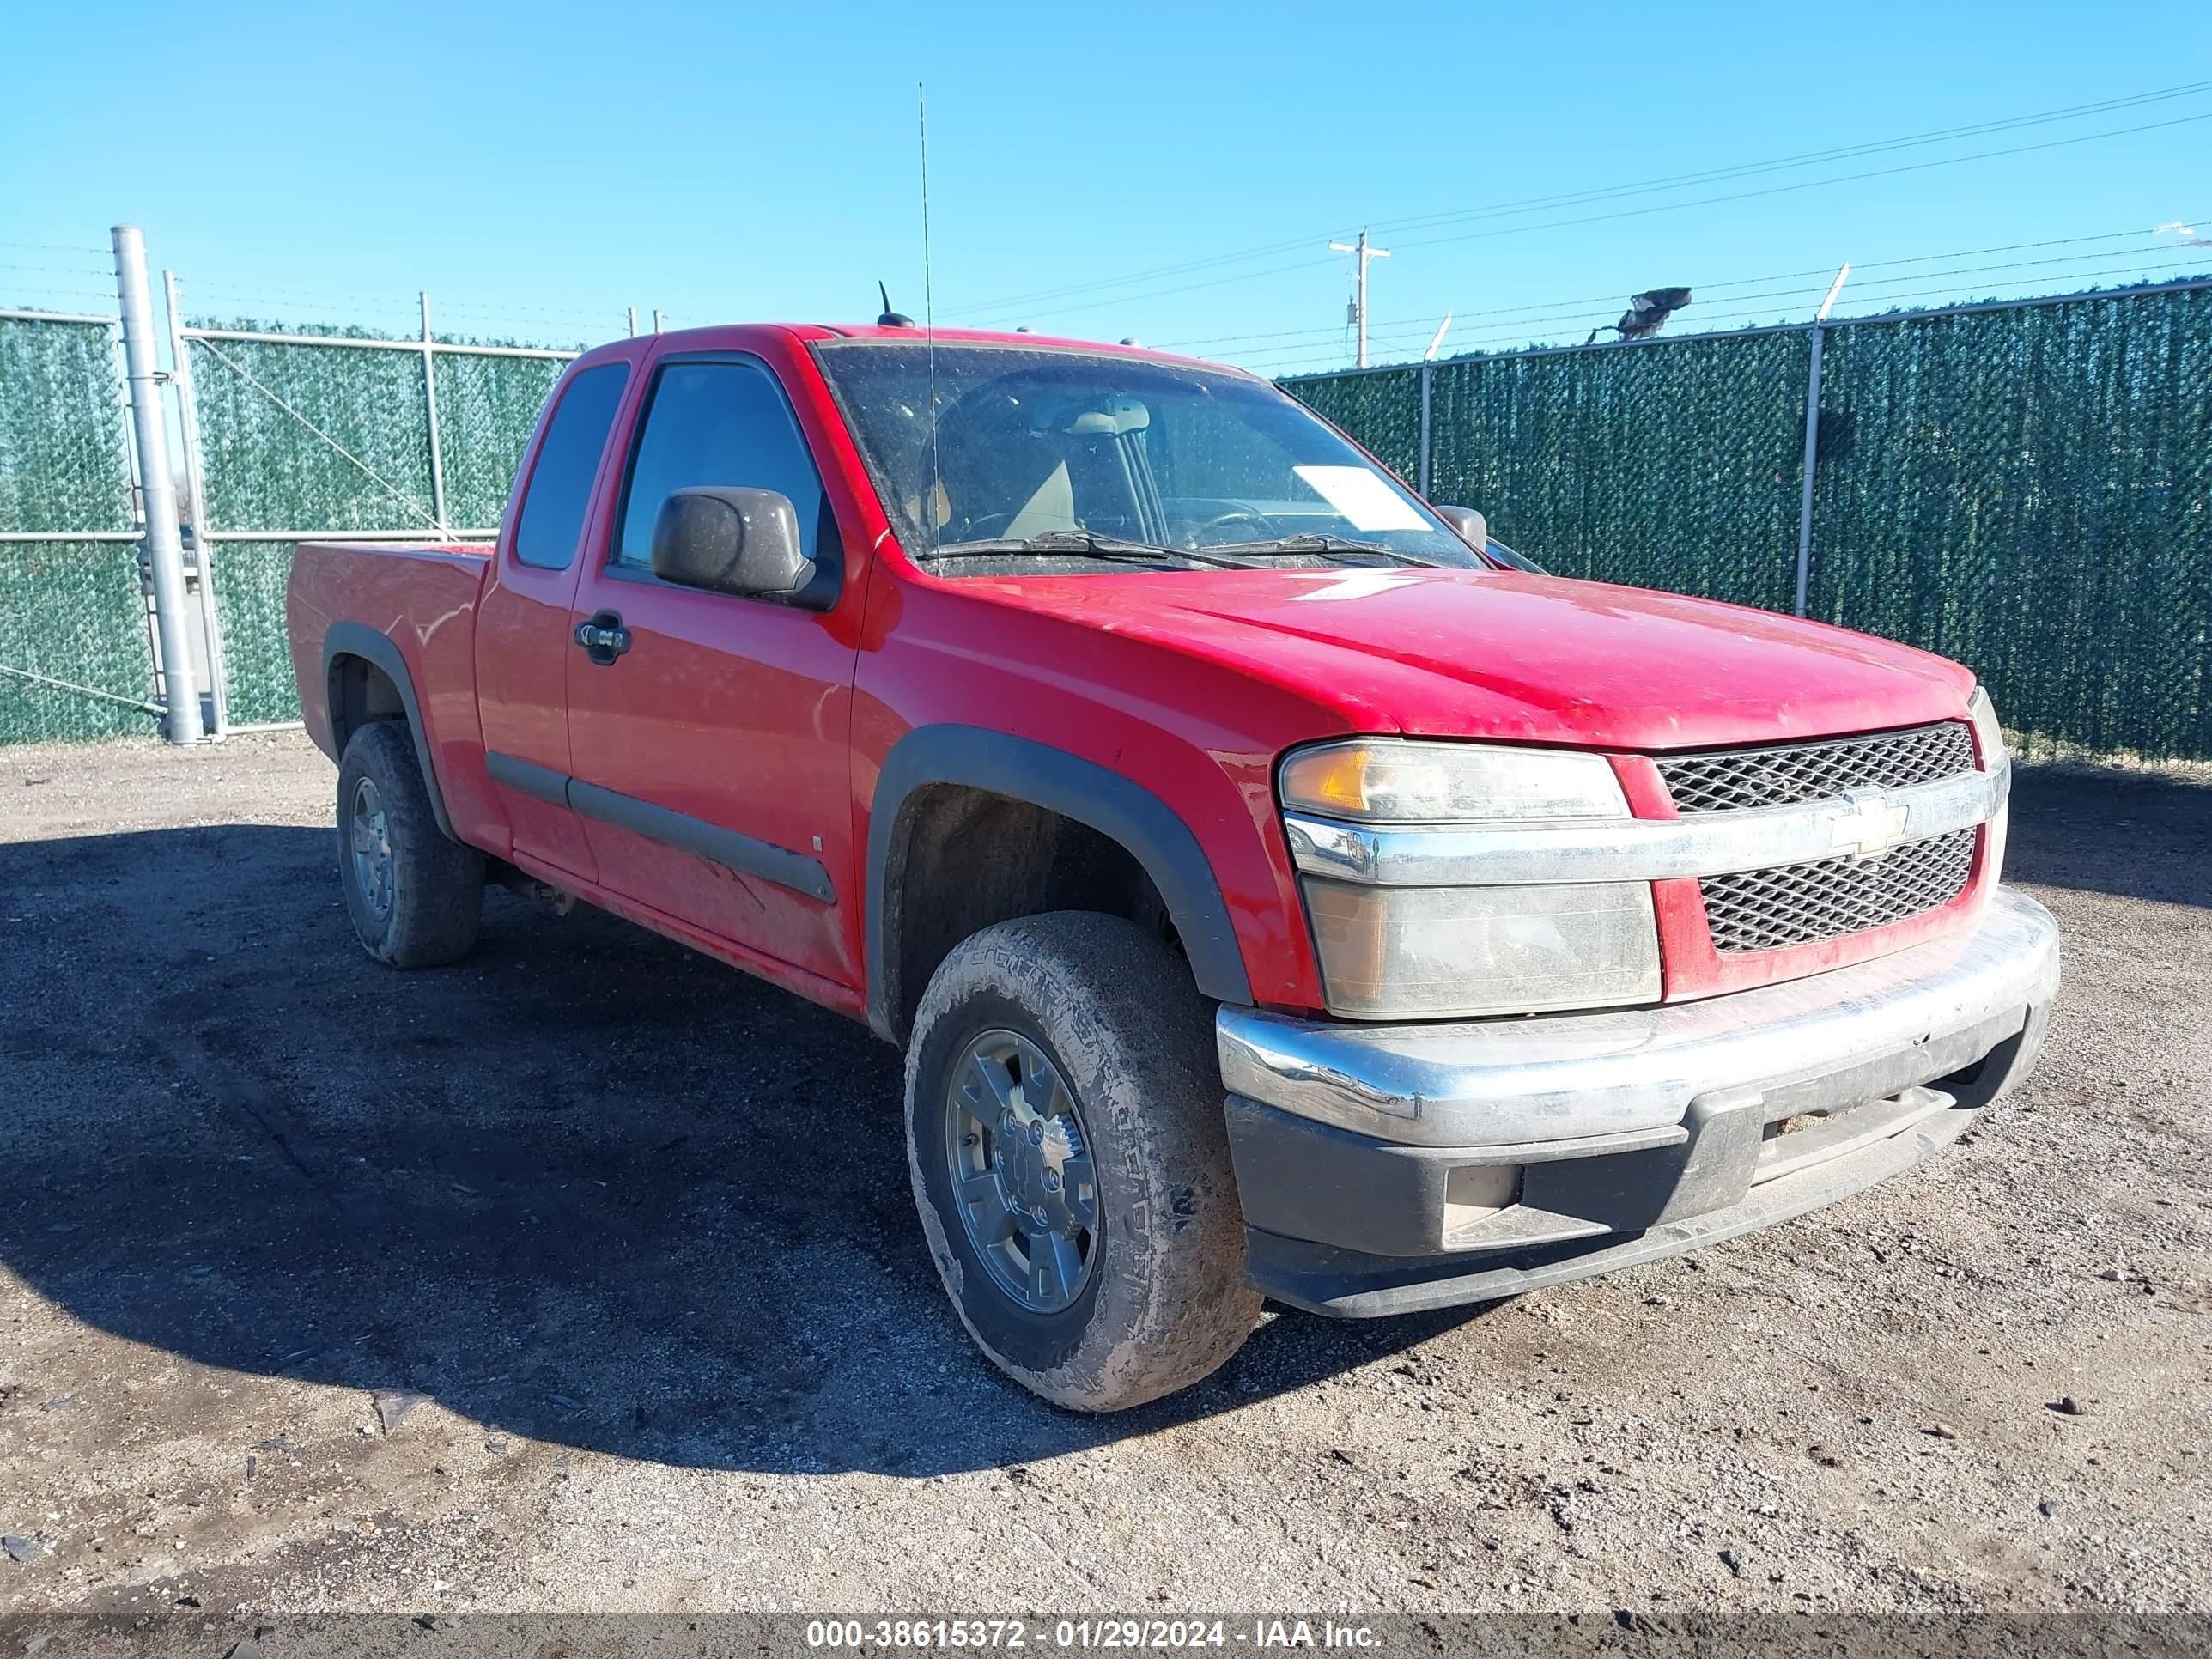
[1360, 494]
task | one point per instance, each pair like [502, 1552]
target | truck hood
[1503, 655]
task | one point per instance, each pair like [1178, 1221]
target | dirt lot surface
[628, 1238]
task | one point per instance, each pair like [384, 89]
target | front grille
[1801, 903]
[1727, 780]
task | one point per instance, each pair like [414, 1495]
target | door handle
[604, 638]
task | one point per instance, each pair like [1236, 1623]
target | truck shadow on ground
[584, 1187]
[2134, 835]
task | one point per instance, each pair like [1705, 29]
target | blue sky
[539, 168]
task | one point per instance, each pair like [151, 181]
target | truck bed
[422, 599]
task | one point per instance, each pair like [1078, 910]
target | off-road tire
[1115, 1012]
[437, 884]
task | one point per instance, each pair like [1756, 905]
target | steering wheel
[985, 527]
[1260, 522]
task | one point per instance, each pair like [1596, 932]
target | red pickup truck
[1280, 890]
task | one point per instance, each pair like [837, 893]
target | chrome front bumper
[1387, 1168]
[1496, 1082]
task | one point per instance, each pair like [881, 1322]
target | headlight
[1989, 735]
[1381, 780]
[1391, 953]
[1430, 952]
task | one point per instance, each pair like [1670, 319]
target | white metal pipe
[430, 405]
[188, 433]
[1812, 459]
[15, 315]
[179, 690]
[264, 338]
[70, 535]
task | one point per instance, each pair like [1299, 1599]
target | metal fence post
[179, 688]
[1812, 459]
[430, 403]
[1425, 430]
[188, 437]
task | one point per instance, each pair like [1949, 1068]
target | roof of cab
[815, 332]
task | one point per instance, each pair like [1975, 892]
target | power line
[1401, 324]
[1814, 184]
[1667, 206]
[1950, 289]
[1948, 285]
[1676, 181]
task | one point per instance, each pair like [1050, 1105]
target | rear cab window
[559, 492]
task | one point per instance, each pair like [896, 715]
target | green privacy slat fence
[70, 611]
[248, 581]
[2027, 488]
[1646, 467]
[305, 437]
[300, 436]
[487, 407]
[1382, 409]
[2030, 490]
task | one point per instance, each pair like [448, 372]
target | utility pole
[1359, 285]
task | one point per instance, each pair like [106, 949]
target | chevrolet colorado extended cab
[1278, 894]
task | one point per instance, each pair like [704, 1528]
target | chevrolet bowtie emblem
[1871, 826]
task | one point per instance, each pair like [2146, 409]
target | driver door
[711, 750]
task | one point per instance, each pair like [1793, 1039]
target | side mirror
[1470, 526]
[731, 540]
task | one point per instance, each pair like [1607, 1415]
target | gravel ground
[625, 1239]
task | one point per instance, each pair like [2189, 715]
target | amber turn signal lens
[1329, 780]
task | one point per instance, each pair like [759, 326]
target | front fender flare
[1123, 811]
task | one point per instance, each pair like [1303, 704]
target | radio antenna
[928, 317]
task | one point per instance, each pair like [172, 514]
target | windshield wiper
[1325, 547]
[1082, 543]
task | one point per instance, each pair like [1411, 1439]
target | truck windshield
[1044, 450]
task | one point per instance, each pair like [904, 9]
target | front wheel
[415, 895]
[1070, 1161]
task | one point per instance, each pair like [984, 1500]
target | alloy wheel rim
[371, 839]
[1022, 1177]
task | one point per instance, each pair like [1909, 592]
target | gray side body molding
[353, 639]
[1118, 809]
[730, 848]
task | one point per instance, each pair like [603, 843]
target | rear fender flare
[353, 639]
[1123, 811]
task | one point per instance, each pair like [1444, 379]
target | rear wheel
[415, 895]
[1070, 1162]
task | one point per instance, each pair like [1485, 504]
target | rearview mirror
[731, 540]
[1470, 526]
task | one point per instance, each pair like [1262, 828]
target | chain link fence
[76, 659]
[309, 433]
[2026, 487]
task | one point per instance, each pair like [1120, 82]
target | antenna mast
[928, 317]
